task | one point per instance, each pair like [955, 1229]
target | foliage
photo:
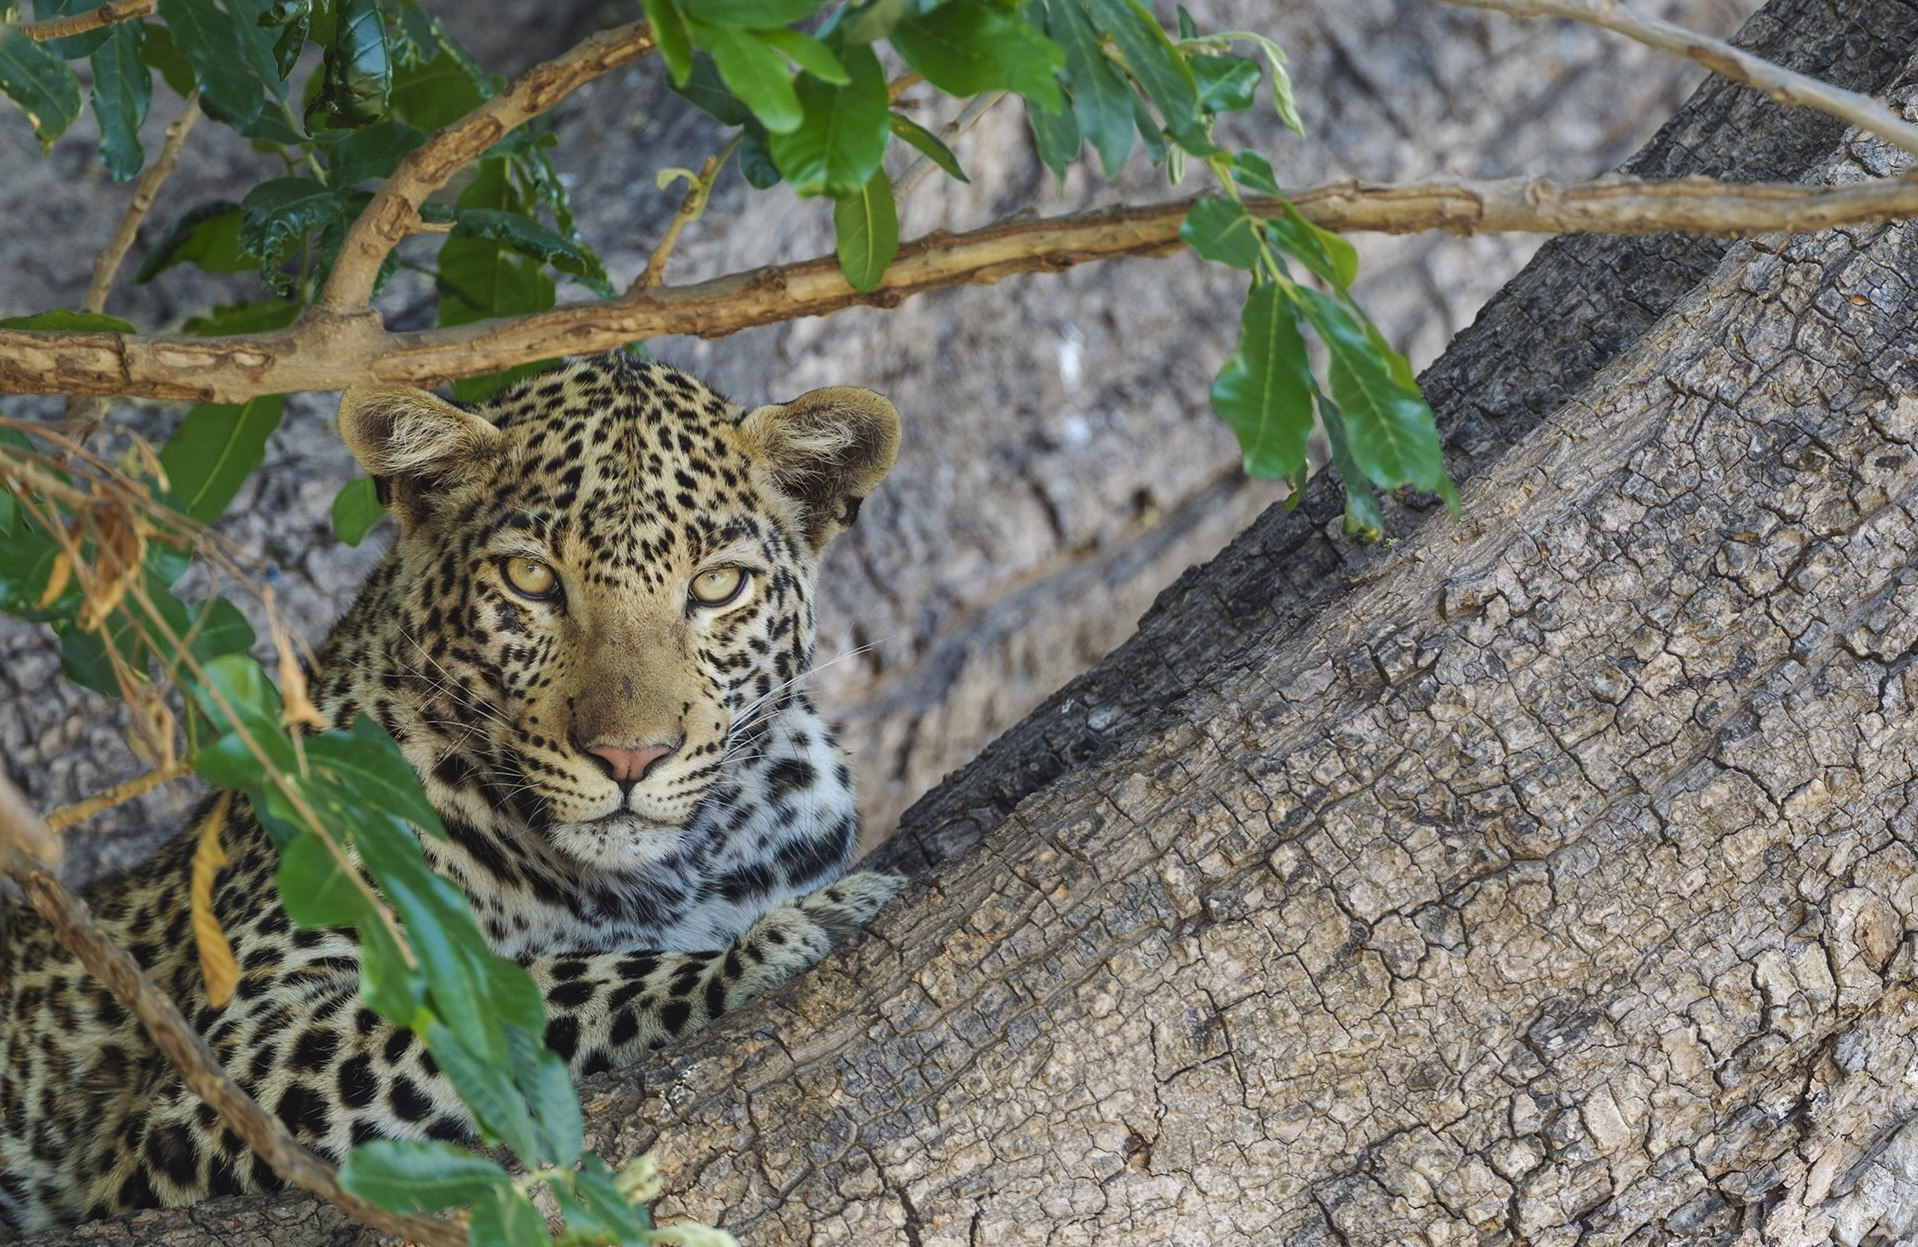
[95, 549]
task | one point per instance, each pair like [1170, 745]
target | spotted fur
[630, 775]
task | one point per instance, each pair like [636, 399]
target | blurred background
[1061, 462]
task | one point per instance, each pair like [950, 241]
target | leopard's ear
[412, 443]
[826, 450]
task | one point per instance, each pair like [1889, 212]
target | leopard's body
[587, 640]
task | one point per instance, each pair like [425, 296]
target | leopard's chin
[621, 841]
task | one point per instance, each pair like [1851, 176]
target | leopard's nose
[626, 765]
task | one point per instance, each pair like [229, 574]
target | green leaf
[157, 52]
[368, 769]
[601, 1198]
[420, 1177]
[704, 89]
[549, 1089]
[507, 1219]
[217, 446]
[1222, 231]
[26, 566]
[356, 509]
[669, 32]
[60, 320]
[867, 229]
[276, 214]
[122, 89]
[1264, 392]
[1055, 136]
[256, 317]
[1101, 100]
[810, 55]
[44, 88]
[755, 158]
[482, 277]
[755, 72]
[372, 151]
[239, 683]
[1255, 171]
[433, 93]
[1158, 67]
[1390, 430]
[388, 986]
[208, 235]
[219, 629]
[968, 46]
[315, 890]
[357, 72]
[927, 143]
[295, 19]
[486, 1087]
[216, 45]
[842, 138]
[1363, 518]
[1330, 258]
[1226, 83]
[1150, 135]
[523, 234]
[754, 14]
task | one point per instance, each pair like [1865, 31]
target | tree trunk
[1548, 876]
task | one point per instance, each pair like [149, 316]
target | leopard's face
[605, 584]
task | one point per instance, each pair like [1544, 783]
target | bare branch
[916, 172]
[80, 811]
[395, 210]
[83, 415]
[156, 175]
[690, 210]
[329, 354]
[1783, 85]
[22, 840]
[80, 23]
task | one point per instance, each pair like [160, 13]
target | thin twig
[1783, 85]
[110, 14]
[80, 811]
[21, 837]
[690, 210]
[968, 117]
[902, 84]
[394, 212]
[105, 268]
[83, 415]
[316, 357]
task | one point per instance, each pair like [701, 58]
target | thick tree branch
[110, 14]
[1783, 85]
[395, 210]
[26, 846]
[327, 354]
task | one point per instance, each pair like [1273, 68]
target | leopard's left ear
[826, 450]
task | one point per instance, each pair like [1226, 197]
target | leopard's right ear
[414, 444]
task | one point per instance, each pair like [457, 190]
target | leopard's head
[605, 581]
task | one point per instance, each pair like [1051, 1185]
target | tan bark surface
[1549, 877]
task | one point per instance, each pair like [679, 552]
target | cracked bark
[1548, 877]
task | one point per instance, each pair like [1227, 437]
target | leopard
[590, 639]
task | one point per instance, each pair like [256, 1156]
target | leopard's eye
[530, 577]
[719, 586]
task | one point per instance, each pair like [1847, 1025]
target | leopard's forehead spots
[636, 463]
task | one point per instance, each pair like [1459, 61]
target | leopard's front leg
[607, 1009]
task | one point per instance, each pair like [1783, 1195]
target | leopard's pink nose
[629, 766]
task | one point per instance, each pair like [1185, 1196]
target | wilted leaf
[217, 965]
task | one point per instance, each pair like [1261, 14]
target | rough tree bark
[1547, 877]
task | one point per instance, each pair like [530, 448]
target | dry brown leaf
[56, 580]
[217, 966]
[297, 709]
[120, 543]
